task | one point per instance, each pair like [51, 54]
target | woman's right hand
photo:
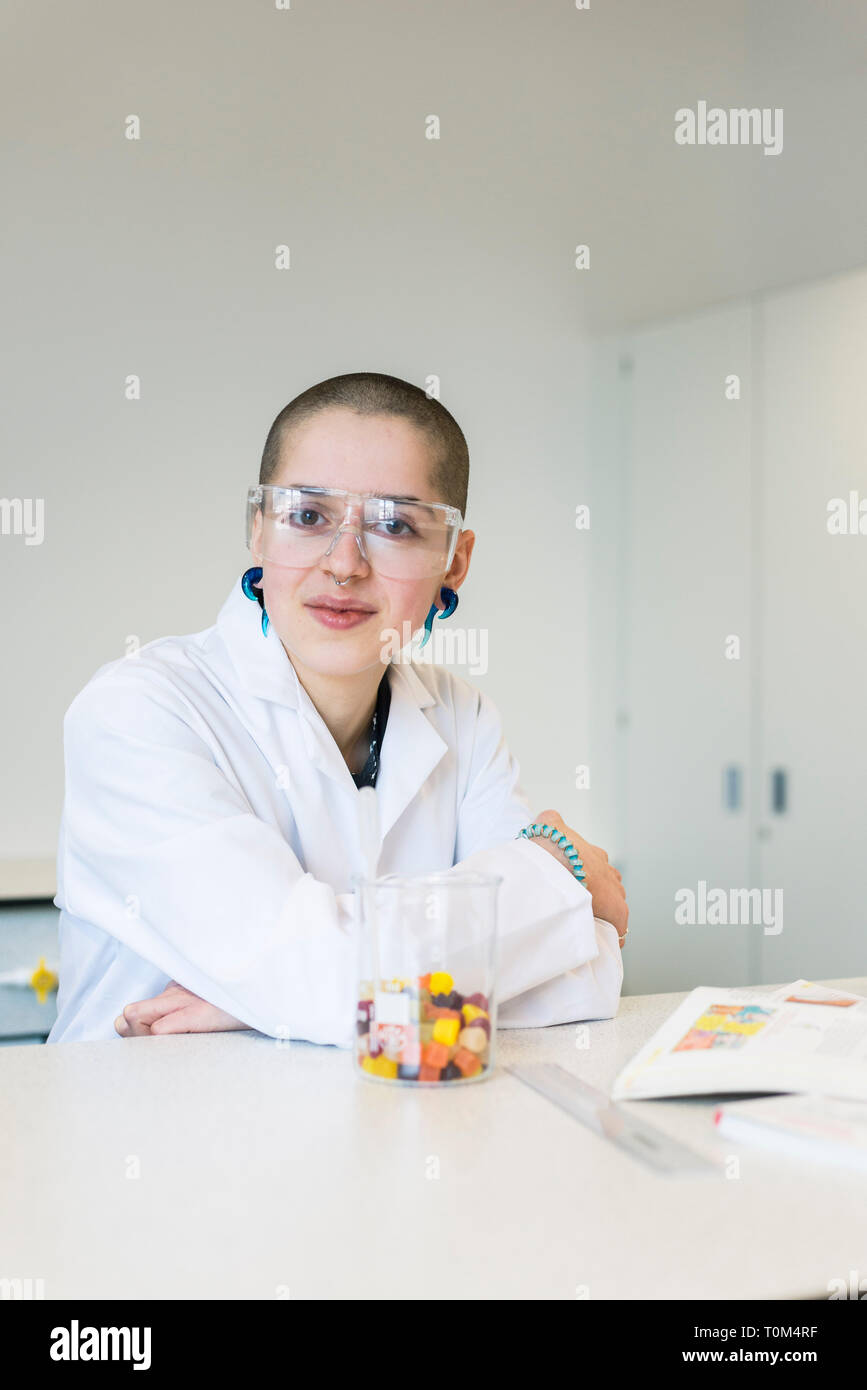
[602, 881]
[176, 1010]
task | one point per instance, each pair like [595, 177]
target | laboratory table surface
[233, 1165]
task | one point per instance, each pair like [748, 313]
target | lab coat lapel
[259, 659]
[411, 748]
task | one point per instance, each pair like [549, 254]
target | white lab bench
[233, 1166]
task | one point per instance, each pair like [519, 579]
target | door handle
[732, 787]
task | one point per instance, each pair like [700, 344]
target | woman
[210, 831]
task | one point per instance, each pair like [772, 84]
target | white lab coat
[209, 833]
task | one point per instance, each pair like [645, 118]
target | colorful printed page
[799, 1037]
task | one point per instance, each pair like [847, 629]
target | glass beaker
[426, 1010]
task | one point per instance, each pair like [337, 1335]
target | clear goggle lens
[296, 527]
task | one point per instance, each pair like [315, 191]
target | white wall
[453, 257]
[414, 257]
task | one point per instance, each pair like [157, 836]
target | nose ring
[352, 531]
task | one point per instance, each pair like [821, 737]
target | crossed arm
[178, 1010]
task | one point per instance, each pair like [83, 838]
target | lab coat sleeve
[162, 851]
[557, 963]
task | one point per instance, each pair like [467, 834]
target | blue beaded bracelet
[550, 832]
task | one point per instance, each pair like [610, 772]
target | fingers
[147, 1011]
[130, 1029]
[185, 1020]
[137, 1018]
[197, 1017]
[176, 1010]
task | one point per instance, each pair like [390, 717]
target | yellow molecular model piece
[42, 980]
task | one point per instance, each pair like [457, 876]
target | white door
[811, 639]
[675, 511]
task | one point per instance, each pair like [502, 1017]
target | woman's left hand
[176, 1010]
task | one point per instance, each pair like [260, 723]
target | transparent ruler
[597, 1111]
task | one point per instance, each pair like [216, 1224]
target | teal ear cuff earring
[450, 600]
[248, 579]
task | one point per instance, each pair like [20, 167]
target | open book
[800, 1037]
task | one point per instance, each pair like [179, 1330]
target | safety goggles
[296, 527]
